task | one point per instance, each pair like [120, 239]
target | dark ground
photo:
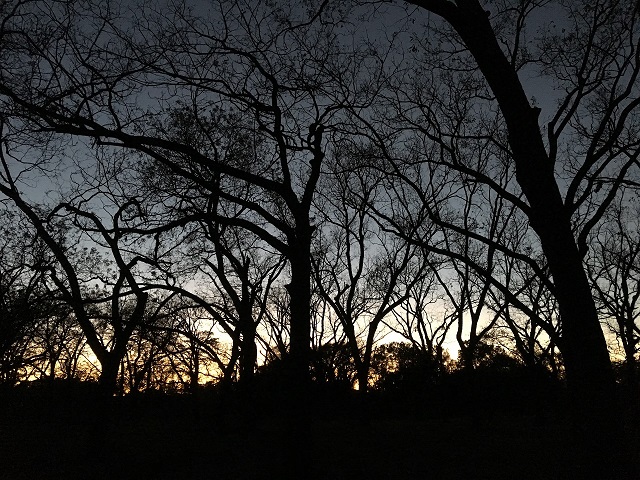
[63, 434]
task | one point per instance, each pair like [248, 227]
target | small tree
[613, 265]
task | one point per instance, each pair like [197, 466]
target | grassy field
[54, 436]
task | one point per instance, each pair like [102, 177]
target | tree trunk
[584, 347]
[109, 375]
[631, 365]
[586, 358]
[468, 353]
[362, 373]
[300, 307]
[194, 381]
[248, 353]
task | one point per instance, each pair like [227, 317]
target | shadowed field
[49, 436]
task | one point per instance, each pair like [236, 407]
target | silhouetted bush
[402, 367]
[332, 364]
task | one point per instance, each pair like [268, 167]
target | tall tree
[281, 68]
[25, 300]
[613, 265]
[75, 268]
[465, 94]
[363, 272]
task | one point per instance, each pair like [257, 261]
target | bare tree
[362, 272]
[464, 97]
[533, 333]
[613, 264]
[73, 273]
[424, 318]
[281, 69]
[599, 35]
[25, 303]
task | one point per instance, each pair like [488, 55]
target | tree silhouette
[25, 302]
[612, 265]
[363, 273]
[462, 98]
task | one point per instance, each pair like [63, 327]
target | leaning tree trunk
[586, 358]
[583, 346]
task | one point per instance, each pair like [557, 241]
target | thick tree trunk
[468, 352]
[586, 358]
[300, 307]
[362, 374]
[584, 347]
[248, 353]
[109, 375]
[631, 365]
[298, 359]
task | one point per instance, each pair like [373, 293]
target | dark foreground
[61, 434]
